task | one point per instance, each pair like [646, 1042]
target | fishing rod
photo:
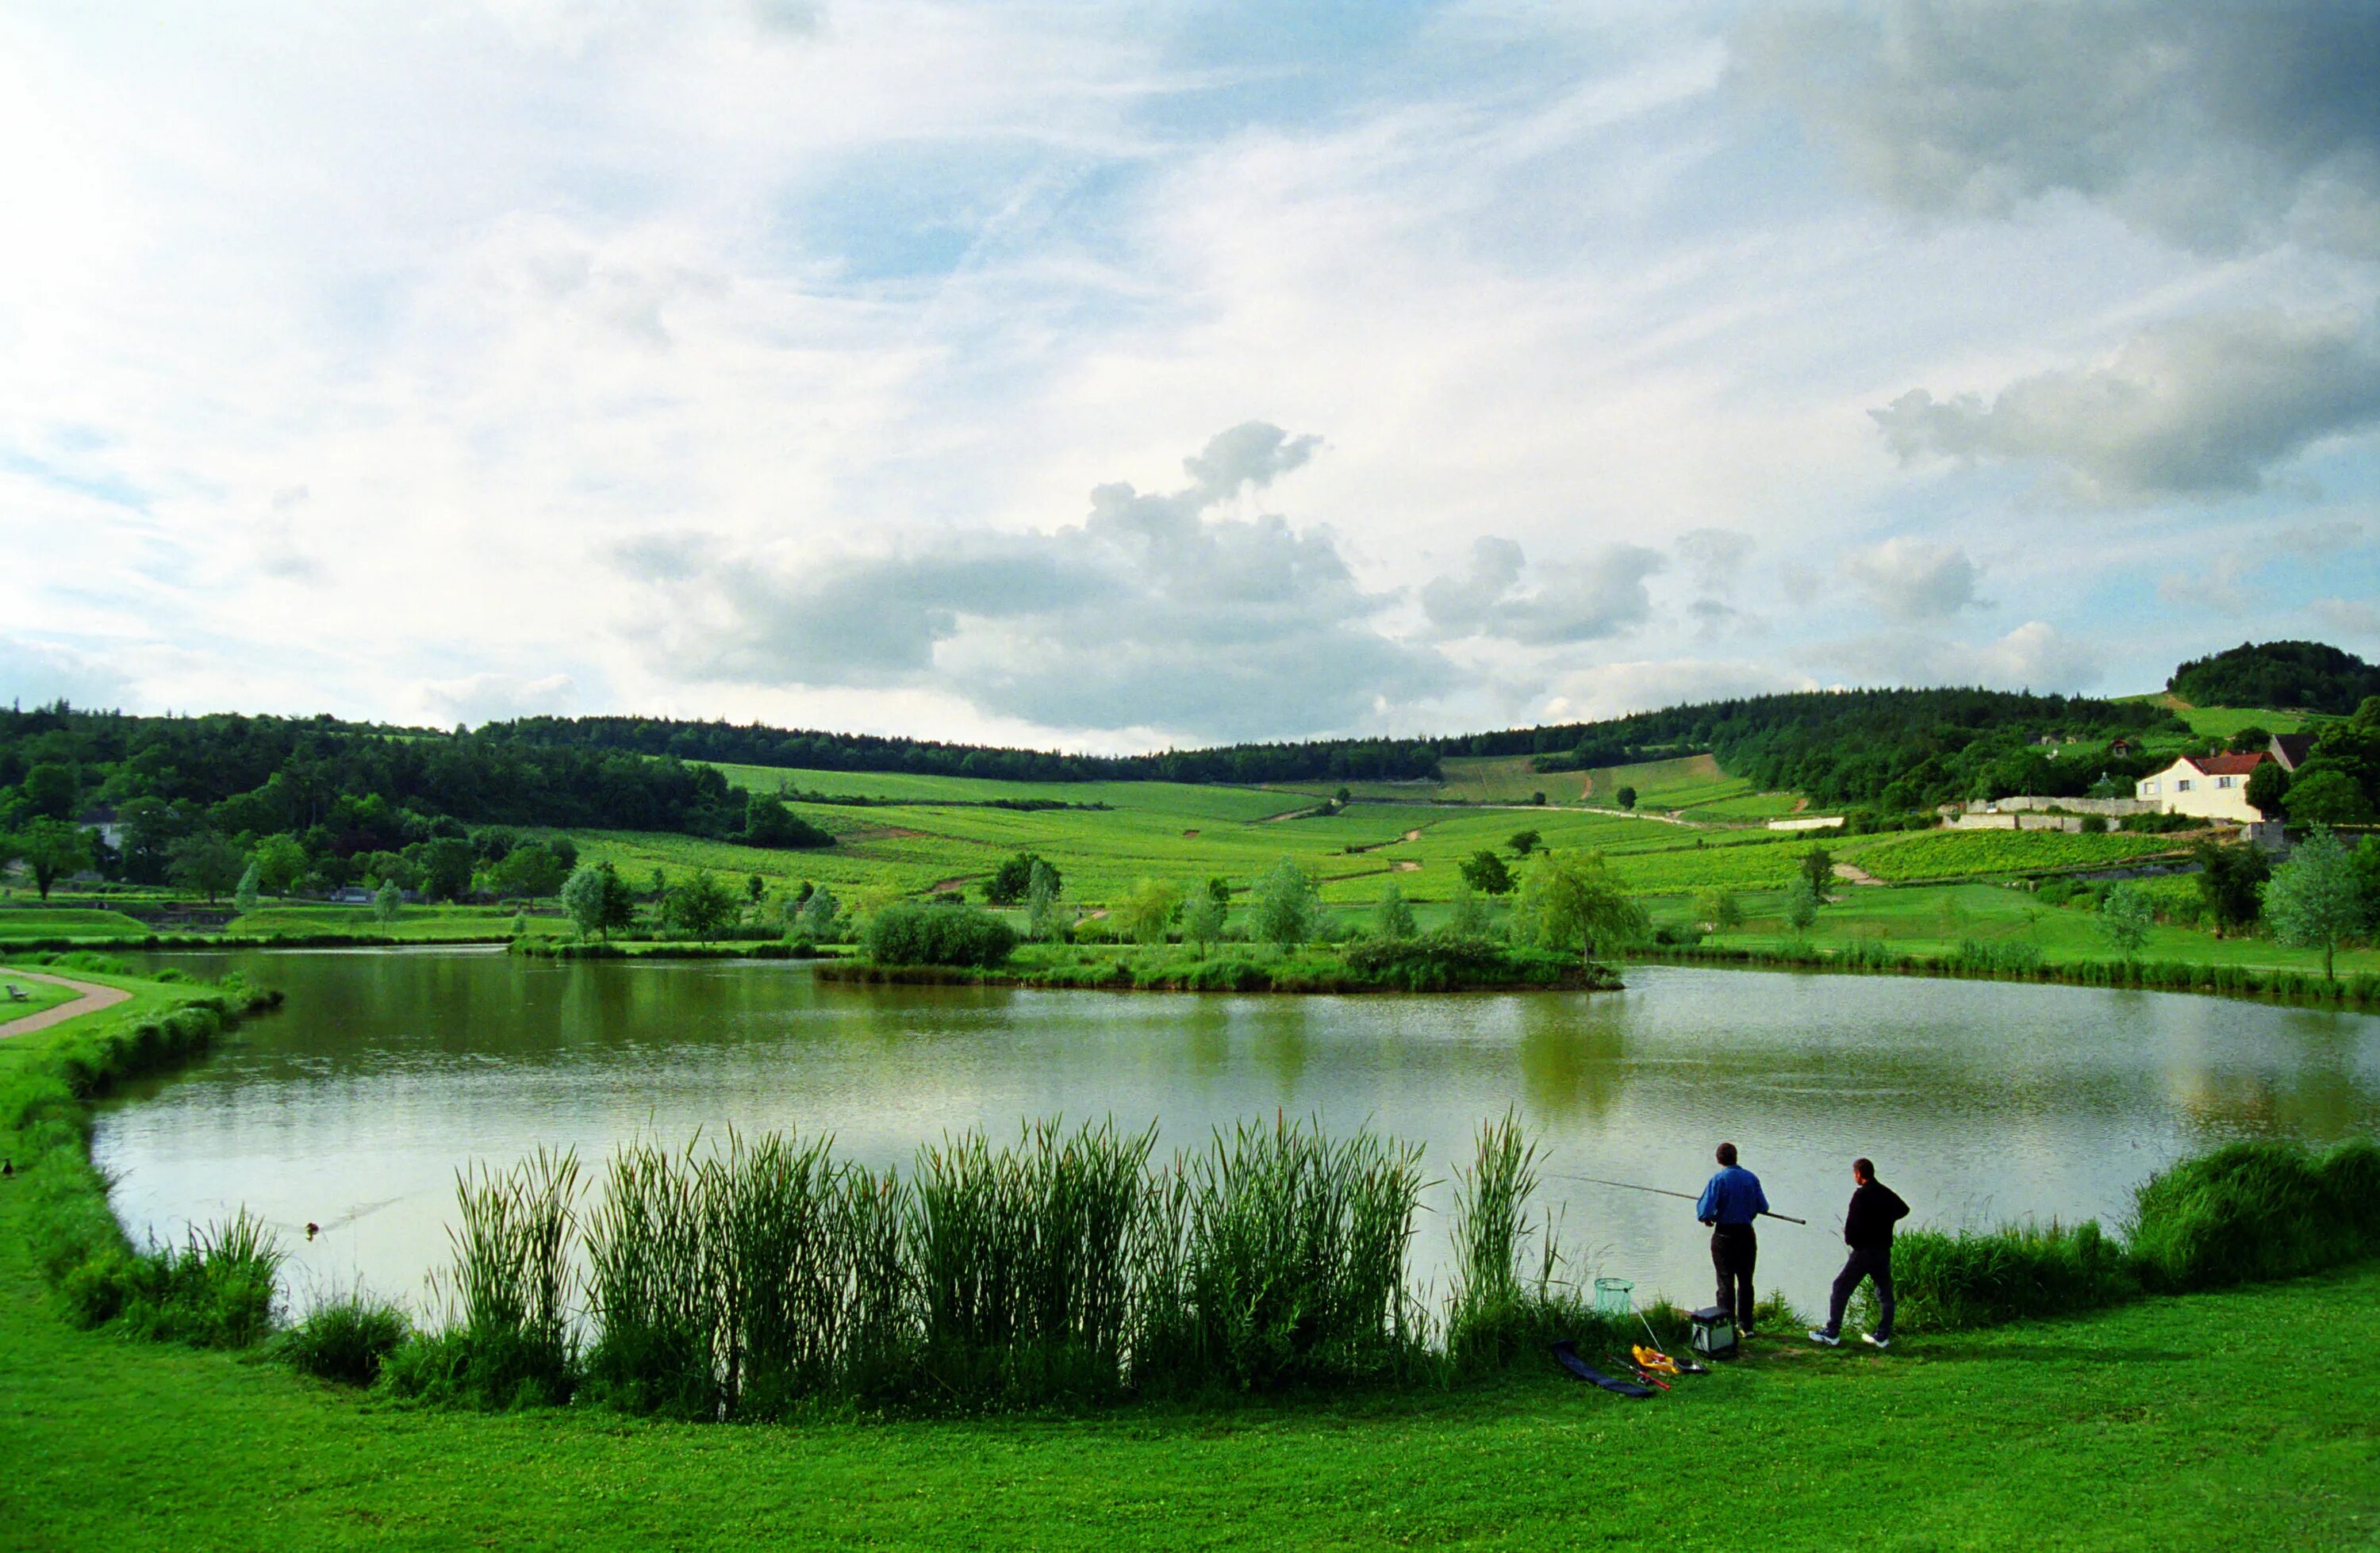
[1665, 1192]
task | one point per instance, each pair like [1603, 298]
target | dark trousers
[1734, 1248]
[1869, 1263]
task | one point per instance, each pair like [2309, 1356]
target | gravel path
[95, 998]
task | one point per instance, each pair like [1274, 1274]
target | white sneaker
[1817, 1336]
[1875, 1342]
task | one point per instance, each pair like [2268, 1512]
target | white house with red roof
[2211, 786]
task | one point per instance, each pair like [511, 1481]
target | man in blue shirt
[1730, 1201]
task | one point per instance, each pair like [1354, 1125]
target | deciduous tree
[1573, 900]
[1486, 872]
[1042, 892]
[1202, 921]
[2316, 899]
[700, 906]
[1146, 915]
[206, 864]
[2126, 915]
[50, 848]
[598, 900]
[1284, 906]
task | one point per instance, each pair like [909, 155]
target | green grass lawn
[39, 995]
[423, 924]
[54, 922]
[2221, 722]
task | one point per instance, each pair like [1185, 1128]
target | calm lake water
[387, 1070]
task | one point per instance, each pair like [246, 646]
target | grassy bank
[1240, 968]
[1990, 959]
[2191, 1417]
[2194, 1421]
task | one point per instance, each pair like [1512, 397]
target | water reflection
[353, 1106]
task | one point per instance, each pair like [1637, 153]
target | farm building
[2211, 786]
[2291, 749]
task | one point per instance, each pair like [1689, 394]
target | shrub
[908, 934]
[344, 1339]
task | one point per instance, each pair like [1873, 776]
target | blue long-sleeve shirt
[1732, 1196]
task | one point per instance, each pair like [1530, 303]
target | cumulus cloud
[35, 672]
[489, 698]
[2199, 407]
[2220, 127]
[1155, 612]
[2035, 656]
[2222, 587]
[1616, 689]
[1913, 579]
[1600, 595]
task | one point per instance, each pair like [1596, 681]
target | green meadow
[940, 833]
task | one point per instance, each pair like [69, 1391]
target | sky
[1110, 377]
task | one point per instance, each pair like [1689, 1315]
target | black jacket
[1867, 1224]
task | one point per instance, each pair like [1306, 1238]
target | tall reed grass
[513, 1340]
[1498, 1309]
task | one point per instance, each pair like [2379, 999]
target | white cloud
[1913, 579]
[2225, 587]
[1155, 612]
[1599, 595]
[752, 361]
[2218, 126]
[2205, 405]
[2034, 656]
[1616, 689]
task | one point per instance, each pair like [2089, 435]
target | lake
[1978, 1100]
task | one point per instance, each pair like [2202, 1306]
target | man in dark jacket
[1730, 1201]
[1867, 1229]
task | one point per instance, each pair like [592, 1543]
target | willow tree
[1572, 901]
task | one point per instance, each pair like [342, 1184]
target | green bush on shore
[345, 1338]
[2246, 1212]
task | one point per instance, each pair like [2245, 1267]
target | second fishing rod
[1665, 1192]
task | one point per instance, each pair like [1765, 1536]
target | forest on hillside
[183, 794]
[2309, 677]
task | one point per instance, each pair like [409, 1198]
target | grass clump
[1497, 1312]
[1289, 1252]
[216, 1290]
[2015, 1273]
[2251, 1211]
[346, 1338]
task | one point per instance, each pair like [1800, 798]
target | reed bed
[512, 1337]
[215, 1291]
[759, 1278]
[756, 1277]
